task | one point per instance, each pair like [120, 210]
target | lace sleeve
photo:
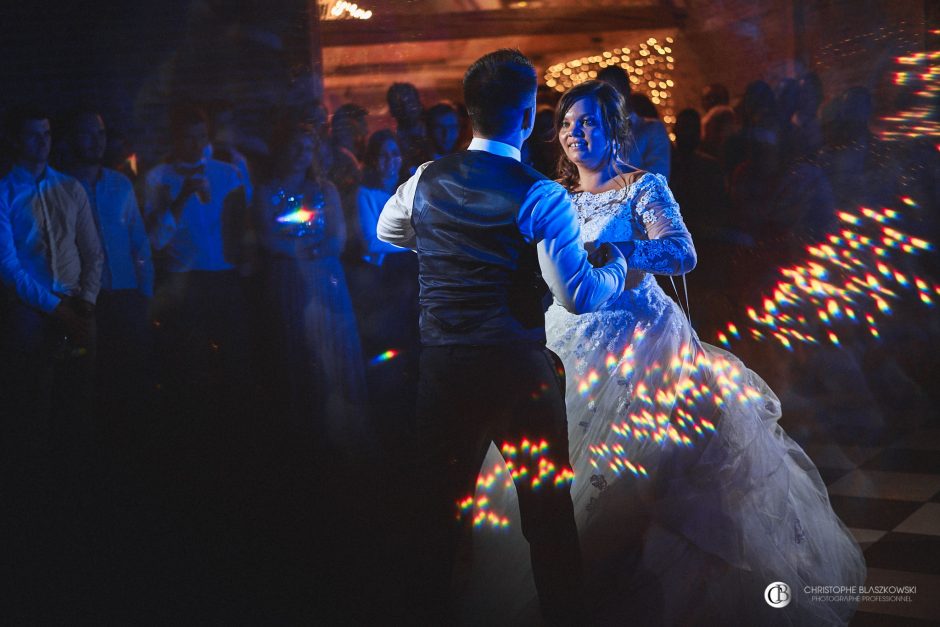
[669, 249]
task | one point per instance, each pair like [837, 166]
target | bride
[691, 501]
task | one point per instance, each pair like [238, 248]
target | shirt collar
[23, 176]
[495, 147]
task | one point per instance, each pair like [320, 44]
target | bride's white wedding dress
[690, 498]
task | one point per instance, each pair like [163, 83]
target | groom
[490, 232]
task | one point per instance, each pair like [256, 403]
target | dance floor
[889, 496]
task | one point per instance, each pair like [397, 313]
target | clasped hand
[77, 318]
[599, 253]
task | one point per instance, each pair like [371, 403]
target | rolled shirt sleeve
[394, 224]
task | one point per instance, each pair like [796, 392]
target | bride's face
[582, 135]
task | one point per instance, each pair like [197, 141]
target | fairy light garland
[343, 10]
[649, 65]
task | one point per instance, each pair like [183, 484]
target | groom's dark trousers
[477, 220]
[469, 396]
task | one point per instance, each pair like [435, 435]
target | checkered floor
[889, 497]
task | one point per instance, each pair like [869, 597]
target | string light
[649, 64]
[341, 9]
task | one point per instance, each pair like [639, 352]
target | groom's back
[479, 278]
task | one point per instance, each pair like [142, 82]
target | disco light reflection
[849, 279]
[672, 404]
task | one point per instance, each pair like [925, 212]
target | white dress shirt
[49, 245]
[545, 217]
[128, 263]
[196, 241]
[370, 202]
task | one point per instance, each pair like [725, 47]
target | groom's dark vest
[480, 281]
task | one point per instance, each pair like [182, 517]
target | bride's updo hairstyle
[615, 120]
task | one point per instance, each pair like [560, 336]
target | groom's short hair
[496, 86]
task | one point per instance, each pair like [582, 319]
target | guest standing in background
[719, 124]
[388, 300]
[404, 103]
[697, 182]
[651, 148]
[128, 275]
[123, 307]
[443, 130]
[715, 95]
[542, 150]
[195, 208]
[50, 274]
[348, 135]
[315, 342]
[806, 137]
[223, 146]
[50, 270]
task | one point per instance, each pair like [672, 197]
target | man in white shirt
[488, 230]
[50, 271]
[195, 209]
[123, 308]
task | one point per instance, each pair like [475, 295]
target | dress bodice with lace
[643, 212]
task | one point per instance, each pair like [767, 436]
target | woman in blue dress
[318, 368]
[386, 299]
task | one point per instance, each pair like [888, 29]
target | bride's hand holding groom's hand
[599, 253]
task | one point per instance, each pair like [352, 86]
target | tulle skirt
[690, 498]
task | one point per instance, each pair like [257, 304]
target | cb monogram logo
[778, 594]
